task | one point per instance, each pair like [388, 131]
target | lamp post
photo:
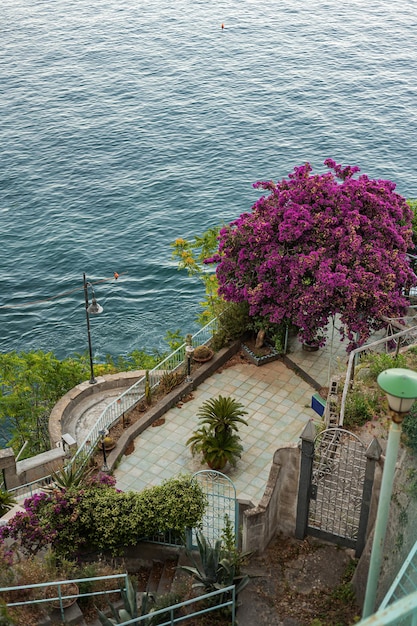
[105, 467]
[400, 386]
[93, 308]
[189, 351]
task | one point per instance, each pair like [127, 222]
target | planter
[264, 355]
[205, 356]
[310, 347]
[70, 589]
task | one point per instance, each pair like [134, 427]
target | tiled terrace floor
[278, 405]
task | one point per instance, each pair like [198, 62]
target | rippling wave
[127, 124]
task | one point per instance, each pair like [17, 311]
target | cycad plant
[7, 501]
[217, 438]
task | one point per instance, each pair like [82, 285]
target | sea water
[126, 124]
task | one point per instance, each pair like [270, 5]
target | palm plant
[217, 449]
[216, 438]
[222, 414]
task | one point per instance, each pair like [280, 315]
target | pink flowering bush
[319, 245]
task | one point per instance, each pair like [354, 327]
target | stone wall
[276, 512]
[401, 531]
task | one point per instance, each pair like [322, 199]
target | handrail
[169, 609]
[405, 581]
[395, 613]
[126, 401]
[59, 584]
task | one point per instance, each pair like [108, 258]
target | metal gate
[335, 490]
[221, 501]
[337, 485]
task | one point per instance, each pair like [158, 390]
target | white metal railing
[401, 613]
[124, 403]
[405, 582]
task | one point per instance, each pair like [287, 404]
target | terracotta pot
[70, 589]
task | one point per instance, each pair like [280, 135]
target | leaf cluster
[99, 517]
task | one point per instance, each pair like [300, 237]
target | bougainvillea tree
[319, 245]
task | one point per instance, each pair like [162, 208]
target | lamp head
[400, 386]
[94, 307]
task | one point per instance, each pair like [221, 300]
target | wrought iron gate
[221, 496]
[335, 491]
[337, 485]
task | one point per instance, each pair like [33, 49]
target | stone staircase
[157, 577]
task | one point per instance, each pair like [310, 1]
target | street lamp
[189, 351]
[400, 386]
[105, 467]
[93, 308]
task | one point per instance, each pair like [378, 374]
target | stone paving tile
[278, 405]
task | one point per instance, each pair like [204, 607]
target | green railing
[405, 582]
[61, 597]
[226, 598]
[123, 403]
[401, 613]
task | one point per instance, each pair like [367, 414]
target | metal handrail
[125, 402]
[403, 612]
[169, 609]
[59, 584]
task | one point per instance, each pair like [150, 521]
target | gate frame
[215, 474]
[372, 453]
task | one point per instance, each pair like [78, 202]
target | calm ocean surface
[126, 124]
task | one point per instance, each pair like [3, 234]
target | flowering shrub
[315, 247]
[102, 518]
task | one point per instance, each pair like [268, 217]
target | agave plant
[7, 501]
[75, 474]
[216, 568]
[130, 608]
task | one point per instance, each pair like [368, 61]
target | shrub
[360, 408]
[104, 519]
[410, 428]
[380, 362]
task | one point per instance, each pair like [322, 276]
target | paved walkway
[278, 403]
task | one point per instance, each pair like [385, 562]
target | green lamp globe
[400, 386]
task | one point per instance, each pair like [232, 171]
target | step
[155, 576]
[167, 576]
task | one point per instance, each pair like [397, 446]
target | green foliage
[30, 385]
[222, 414]
[73, 475]
[130, 608]
[233, 322]
[148, 390]
[359, 409]
[170, 380]
[111, 520]
[215, 568]
[379, 362]
[7, 501]
[190, 256]
[216, 438]
[410, 429]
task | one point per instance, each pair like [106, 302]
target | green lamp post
[400, 386]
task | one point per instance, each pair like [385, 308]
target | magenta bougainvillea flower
[319, 245]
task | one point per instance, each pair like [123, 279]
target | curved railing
[123, 404]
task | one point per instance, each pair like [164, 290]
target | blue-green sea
[128, 123]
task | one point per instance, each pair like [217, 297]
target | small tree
[315, 247]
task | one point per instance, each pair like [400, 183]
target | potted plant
[202, 354]
[108, 443]
[217, 438]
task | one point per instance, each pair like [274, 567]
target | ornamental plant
[99, 517]
[318, 245]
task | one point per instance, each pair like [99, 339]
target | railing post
[307, 455]
[373, 454]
